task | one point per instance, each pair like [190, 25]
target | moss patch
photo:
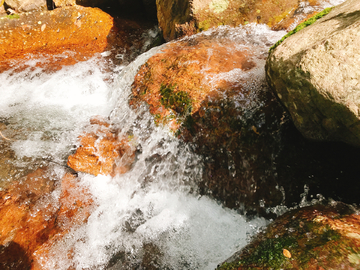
[178, 101]
[302, 26]
[13, 16]
[306, 240]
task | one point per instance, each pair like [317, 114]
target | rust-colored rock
[189, 66]
[211, 90]
[102, 152]
[32, 219]
[207, 90]
[315, 237]
[16, 207]
[77, 30]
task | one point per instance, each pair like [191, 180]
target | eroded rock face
[178, 18]
[84, 31]
[315, 237]
[102, 152]
[315, 74]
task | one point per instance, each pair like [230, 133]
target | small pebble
[39, 22]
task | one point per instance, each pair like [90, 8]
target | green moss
[270, 252]
[13, 16]
[305, 241]
[189, 124]
[178, 101]
[204, 25]
[302, 26]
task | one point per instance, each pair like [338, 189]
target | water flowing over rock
[84, 31]
[178, 18]
[315, 74]
[102, 152]
[315, 237]
[220, 102]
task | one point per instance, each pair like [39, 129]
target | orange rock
[25, 225]
[191, 69]
[84, 31]
[32, 220]
[102, 152]
[75, 207]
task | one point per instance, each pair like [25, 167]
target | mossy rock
[302, 26]
[315, 237]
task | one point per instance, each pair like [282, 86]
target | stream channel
[155, 209]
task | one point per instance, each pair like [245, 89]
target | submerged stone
[102, 152]
[315, 237]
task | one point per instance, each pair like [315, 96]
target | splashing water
[153, 214]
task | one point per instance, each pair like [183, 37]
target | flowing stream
[154, 210]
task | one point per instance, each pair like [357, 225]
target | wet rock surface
[36, 212]
[83, 31]
[253, 156]
[315, 237]
[315, 75]
[102, 151]
[180, 18]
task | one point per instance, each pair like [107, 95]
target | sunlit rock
[178, 18]
[210, 89]
[74, 207]
[64, 3]
[316, 237]
[26, 5]
[84, 31]
[102, 152]
[22, 227]
[33, 217]
[315, 74]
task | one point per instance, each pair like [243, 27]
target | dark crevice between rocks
[13, 257]
[50, 4]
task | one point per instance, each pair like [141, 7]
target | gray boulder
[26, 5]
[316, 75]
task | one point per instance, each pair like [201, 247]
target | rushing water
[154, 210]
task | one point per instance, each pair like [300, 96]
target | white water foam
[150, 215]
[45, 112]
[156, 204]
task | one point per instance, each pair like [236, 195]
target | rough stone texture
[102, 152]
[64, 3]
[26, 5]
[253, 155]
[84, 31]
[315, 237]
[315, 74]
[178, 18]
[32, 218]
[40, 209]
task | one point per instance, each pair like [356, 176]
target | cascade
[152, 214]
